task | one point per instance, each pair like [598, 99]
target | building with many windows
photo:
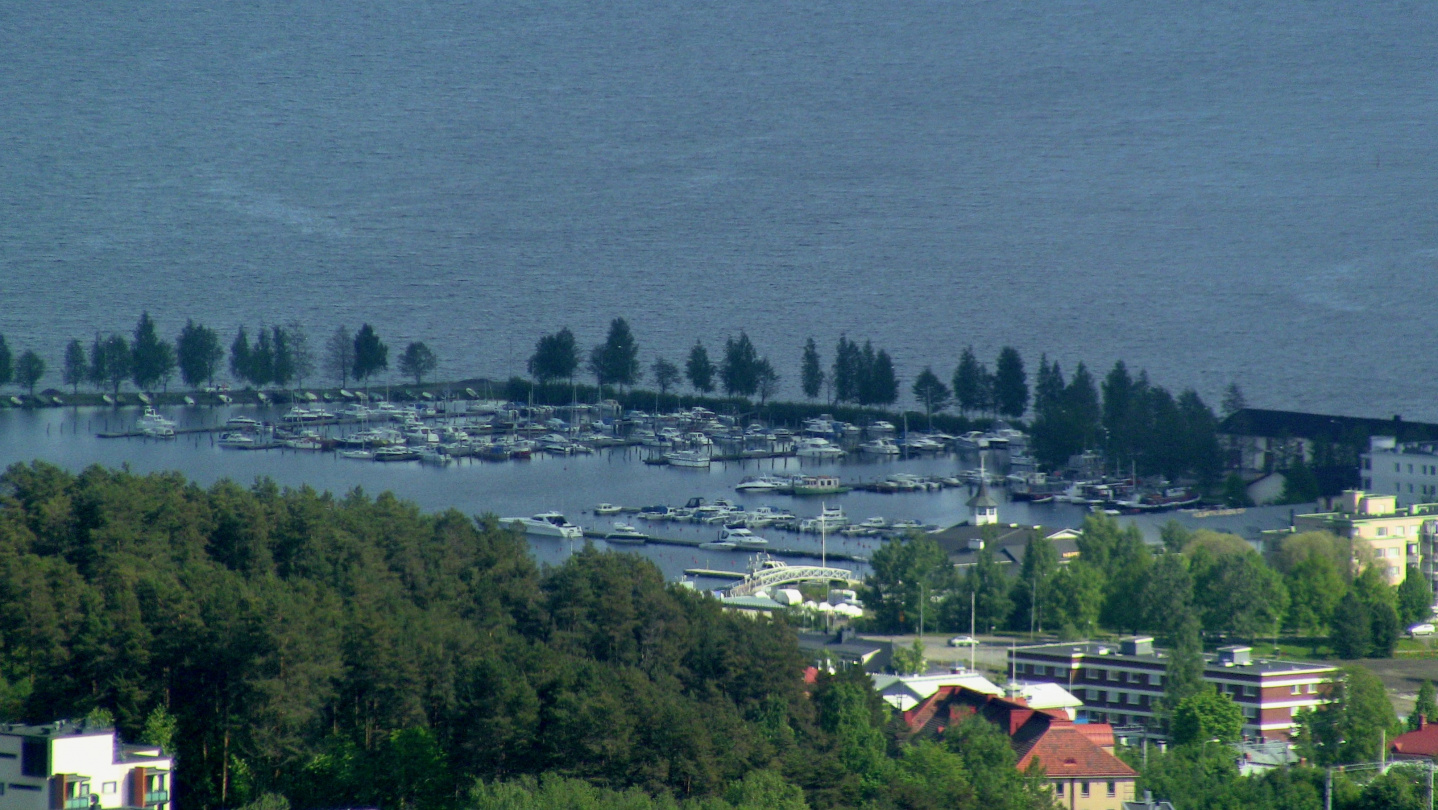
[1121, 683]
[73, 765]
[1384, 534]
[1408, 471]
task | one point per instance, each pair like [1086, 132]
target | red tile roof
[1064, 749]
[1420, 743]
[1066, 752]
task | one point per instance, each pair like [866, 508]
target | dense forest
[353, 650]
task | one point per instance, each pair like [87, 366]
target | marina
[480, 460]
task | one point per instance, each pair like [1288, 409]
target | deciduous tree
[930, 392]
[115, 362]
[417, 361]
[1424, 706]
[76, 367]
[198, 354]
[340, 355]
[1415, 597]
[1208, 715]
[665, 374]
[28, 370]
[556, 357]
[699, 369]
[7, 363]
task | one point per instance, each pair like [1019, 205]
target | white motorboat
[874, 523]
[626, 535]
[761, 483]
[242, 423]
[305, 443]
[606, 509]
[687, 458]
[879, 447]
[743, 538]
[830, 518]
[238, 440]
[357, 455]
[546, 524]
[395, 452]
[719, 545]
[434, 455]
[818, 448]
[152, 419]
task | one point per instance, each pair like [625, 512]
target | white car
[1424, 629]
[962, 641]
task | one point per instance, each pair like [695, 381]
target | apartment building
[73, 765]
[1121, 683]
[1406, 470]
[1384, 534]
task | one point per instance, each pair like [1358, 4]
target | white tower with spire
[983, 509]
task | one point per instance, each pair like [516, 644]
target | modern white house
[73, 765]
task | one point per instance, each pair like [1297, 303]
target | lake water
[573, 485]
[1215, 192]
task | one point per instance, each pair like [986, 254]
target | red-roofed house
[1419, 744]
[1076, 757]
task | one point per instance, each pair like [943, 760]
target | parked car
[964, 641]
[1423, 629]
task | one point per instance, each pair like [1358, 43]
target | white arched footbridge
[772, 573]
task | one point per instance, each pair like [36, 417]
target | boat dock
[591, 534]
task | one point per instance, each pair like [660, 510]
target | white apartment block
[1408, 472]
[71, 765]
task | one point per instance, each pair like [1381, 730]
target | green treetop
[417, 361]
[371, 355]
[811, 371]
[699, 369]
[1208, 715]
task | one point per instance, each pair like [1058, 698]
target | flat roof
[1091, 651]
[59, 728]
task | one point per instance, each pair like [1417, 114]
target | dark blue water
[1215, 192]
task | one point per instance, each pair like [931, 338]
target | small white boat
[626, 535]
[305, 443]
[606, 509]
[719, 545]
[225, 398]
[395, 452]
[687, 458]
[158, 432]
[237, 439]
[818, 448]
[107, 399]
[151, 423]
[189, 400]
[143, 397]
[434, 455]
[546, 524]
[762, 483]
[242, 423]
[357, 455]
[880, 447]
[743, 538]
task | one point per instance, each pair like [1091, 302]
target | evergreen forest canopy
[342, 651]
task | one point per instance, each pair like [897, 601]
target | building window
[1059, 788]
[1312, 687]
[1083, 789]
[1040, 669]
[1112, 788]
[1250, 691]
[1110, 675]
[1297, 690]
[109, 787]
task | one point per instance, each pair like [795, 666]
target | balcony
[153, 797]
[78, 803]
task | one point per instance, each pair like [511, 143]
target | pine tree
[1424, 707]
[240, 359]
[969, 382]
[1011, 384]
[930, 392]
[811, 371]
[152, 359]
[371, 355]
[7, 367]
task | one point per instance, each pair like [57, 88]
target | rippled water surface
[1215, 192]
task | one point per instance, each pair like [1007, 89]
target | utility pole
[1328, 789]
[972, 637]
